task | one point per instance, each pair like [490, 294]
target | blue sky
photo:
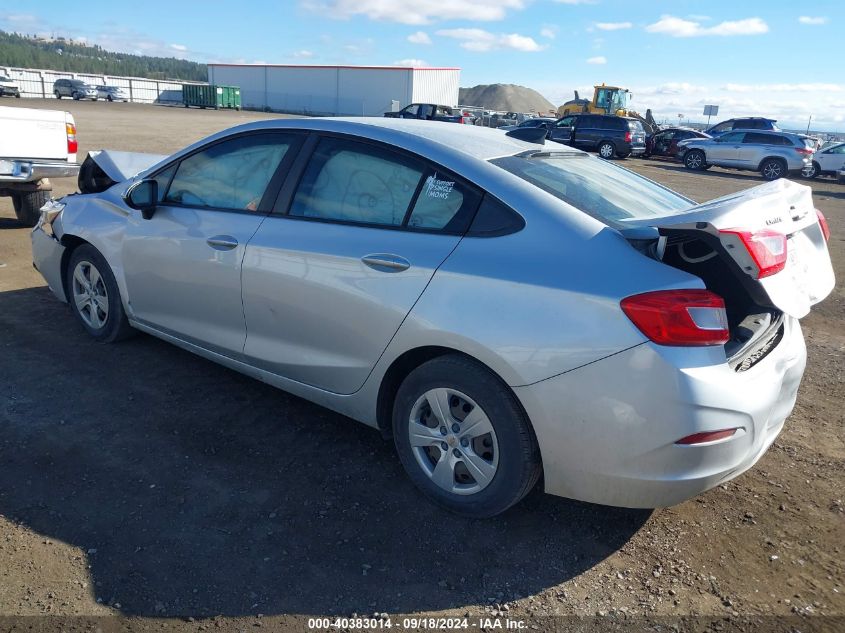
[776, 58]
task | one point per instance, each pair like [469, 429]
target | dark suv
[606, 134]
[745, 123]
[74, 88]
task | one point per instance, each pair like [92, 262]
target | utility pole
[808, 123]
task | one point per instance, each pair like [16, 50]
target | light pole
[808, 123]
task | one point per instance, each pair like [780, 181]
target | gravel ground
[143, 482]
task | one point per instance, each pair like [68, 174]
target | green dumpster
[209, 96]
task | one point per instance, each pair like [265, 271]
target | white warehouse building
[337, 90]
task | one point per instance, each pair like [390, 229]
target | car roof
[420, 136]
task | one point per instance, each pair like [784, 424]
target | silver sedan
[501, 308]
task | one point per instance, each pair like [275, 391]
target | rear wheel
[694, 160]
[773, 168]
[463, 438]
[28, 205]
[58, 96]
[94, 296]
[607, 150]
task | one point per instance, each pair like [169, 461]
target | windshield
[619, 101]
[597, 187]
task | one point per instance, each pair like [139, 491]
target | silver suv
[773, 154]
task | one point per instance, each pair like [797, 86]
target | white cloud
[601, 59]
[784, 87]
[790, 104]
[805, 19]
[481, 41]
[179, 47]
[303, 54]
[416, 63]
[549, 32]
[679, 27]
[613, 26]
[416, 12]
[420, 37]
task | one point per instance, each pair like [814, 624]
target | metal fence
[38, 84]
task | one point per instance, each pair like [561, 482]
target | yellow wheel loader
[607, 100]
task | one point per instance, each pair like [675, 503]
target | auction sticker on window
[436, 188]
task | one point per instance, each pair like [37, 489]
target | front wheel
[694, 160]
[28, 205]
[607, 150]
[94, 296]
[58, 96]
[463, 438]
[811, 171]
[772, 169]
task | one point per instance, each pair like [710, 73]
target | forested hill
[67, 56]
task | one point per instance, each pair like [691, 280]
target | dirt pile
[506, 98]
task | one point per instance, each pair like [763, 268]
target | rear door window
[348, 181]
[760, 138]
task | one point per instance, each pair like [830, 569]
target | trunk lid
[29, 133]
[781, 206]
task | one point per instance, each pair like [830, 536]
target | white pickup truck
[35, 145]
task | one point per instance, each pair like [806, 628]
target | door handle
[386, 263]
[222, 242]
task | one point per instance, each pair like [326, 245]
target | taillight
[628, 137]
[679, 317]
[804, 151]
[709, 436]
[824, 225]
[766, 247]
[72, 144]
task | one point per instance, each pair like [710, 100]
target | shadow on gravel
[11, 223]
[197, 491]
[732, 175]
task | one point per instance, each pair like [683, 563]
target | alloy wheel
[694, 160]
[772, 170]
[90, 295]
[453, 441]
[606, 151]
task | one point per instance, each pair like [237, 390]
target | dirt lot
[140, 480]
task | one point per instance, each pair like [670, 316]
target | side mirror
[143, 196]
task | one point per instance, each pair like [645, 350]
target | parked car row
[78, 90]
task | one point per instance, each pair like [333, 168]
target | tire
[58, 96]
[109, 98]
[773, 168]
[28, 205]
[607, 150]
[94, 296]
[694, 159]
[812, 171]
[503, 449]
[75, 96]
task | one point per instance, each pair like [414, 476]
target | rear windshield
[597, 187]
